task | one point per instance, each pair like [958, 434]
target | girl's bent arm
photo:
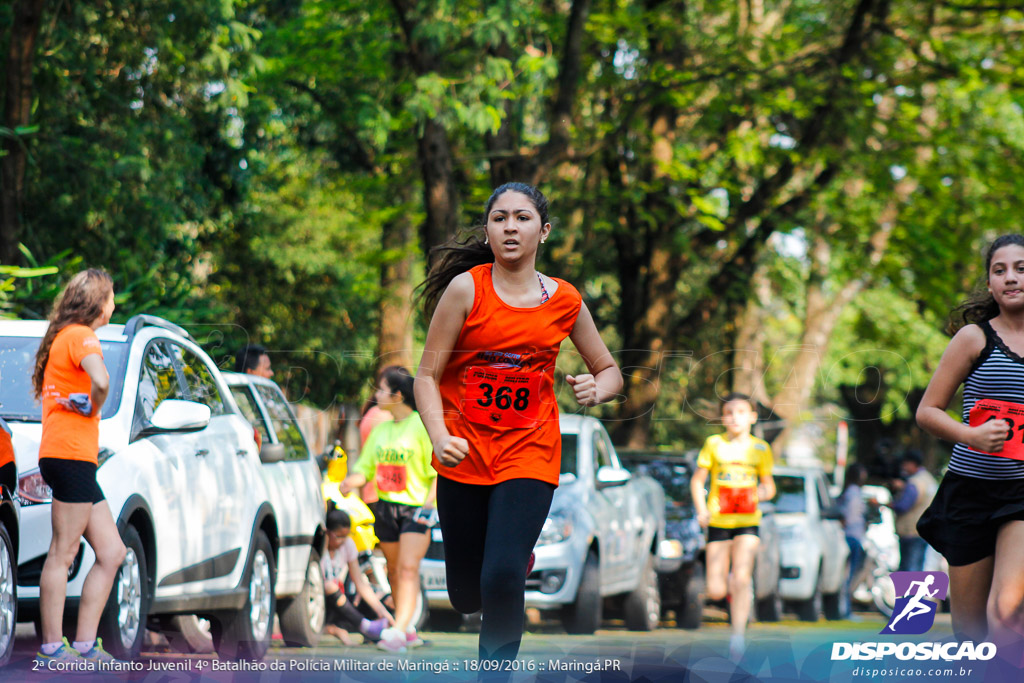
[97, 371]
[700, 502]
[606, 381]
[961, 353]
[366, 592]
[445, 327]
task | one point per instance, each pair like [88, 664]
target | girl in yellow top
[740, 466]
[396, 457]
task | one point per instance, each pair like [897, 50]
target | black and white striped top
[998, 373]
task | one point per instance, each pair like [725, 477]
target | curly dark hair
[459, 255]
[980, 305]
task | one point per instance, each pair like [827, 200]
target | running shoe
[98, 655]
[374, 628]
[65, 654]
[392, 640]
[412, 639]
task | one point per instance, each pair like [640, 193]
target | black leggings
[489, 533]
[344, 616]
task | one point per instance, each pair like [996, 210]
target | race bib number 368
[502, 398]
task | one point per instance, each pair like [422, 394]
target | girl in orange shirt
[72, 382]
[485, 389]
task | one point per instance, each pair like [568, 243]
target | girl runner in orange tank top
[485, 389]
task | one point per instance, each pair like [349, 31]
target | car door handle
[202, 453]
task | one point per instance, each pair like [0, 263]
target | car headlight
[557, 528]
[32, 490]
[670, 549]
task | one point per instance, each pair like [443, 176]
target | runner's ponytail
[450, 260]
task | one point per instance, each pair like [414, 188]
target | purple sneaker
[374, 628]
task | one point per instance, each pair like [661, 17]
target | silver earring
[485, 240]
[544, 240]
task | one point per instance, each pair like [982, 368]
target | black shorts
[717, 533]
[72, 481]
[963, 519]
[394, 519]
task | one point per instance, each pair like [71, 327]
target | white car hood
[785, 520]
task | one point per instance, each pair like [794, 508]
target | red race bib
[391, 478]
[992, 409]
[737, 501]
[502, 398]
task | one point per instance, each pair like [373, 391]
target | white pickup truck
[598, 548]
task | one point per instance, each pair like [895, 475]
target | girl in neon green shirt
[396, 457]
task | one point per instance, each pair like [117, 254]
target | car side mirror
[271, 453]
[608, 476]
[173, 415]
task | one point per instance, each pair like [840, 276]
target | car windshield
[790, 496]
[570, 442]
[674, 477]
[17, 362]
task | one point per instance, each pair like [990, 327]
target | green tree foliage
[239, 164]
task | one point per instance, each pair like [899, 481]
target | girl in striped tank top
[485, 388]
[976, 519]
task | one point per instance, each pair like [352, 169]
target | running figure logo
[914, 612]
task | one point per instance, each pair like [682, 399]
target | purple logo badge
[918, 594]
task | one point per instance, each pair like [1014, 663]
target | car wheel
[421, 615]
[302, 618]
[690, 612]
[643, 604]
[123, 624]
[835, 603]
[810, 609]
[883, 594]
[8, 596]
[584, 615]
[189, 634]
[769, 609]
[245, 634]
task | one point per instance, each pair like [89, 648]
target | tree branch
[569, 71]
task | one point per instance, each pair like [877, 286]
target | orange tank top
[497, 391]
[67, 434]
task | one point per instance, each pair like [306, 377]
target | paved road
[792, 649]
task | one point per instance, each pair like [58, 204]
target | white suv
[214, 526]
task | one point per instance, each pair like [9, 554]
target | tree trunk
[395, 312]
[644, 328]
[748, 359]
[439, 194]
[17, 111]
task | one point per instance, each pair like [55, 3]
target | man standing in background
[918, 489]
[252, 359]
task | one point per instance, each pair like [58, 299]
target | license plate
[435, 582]
[435, 534]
